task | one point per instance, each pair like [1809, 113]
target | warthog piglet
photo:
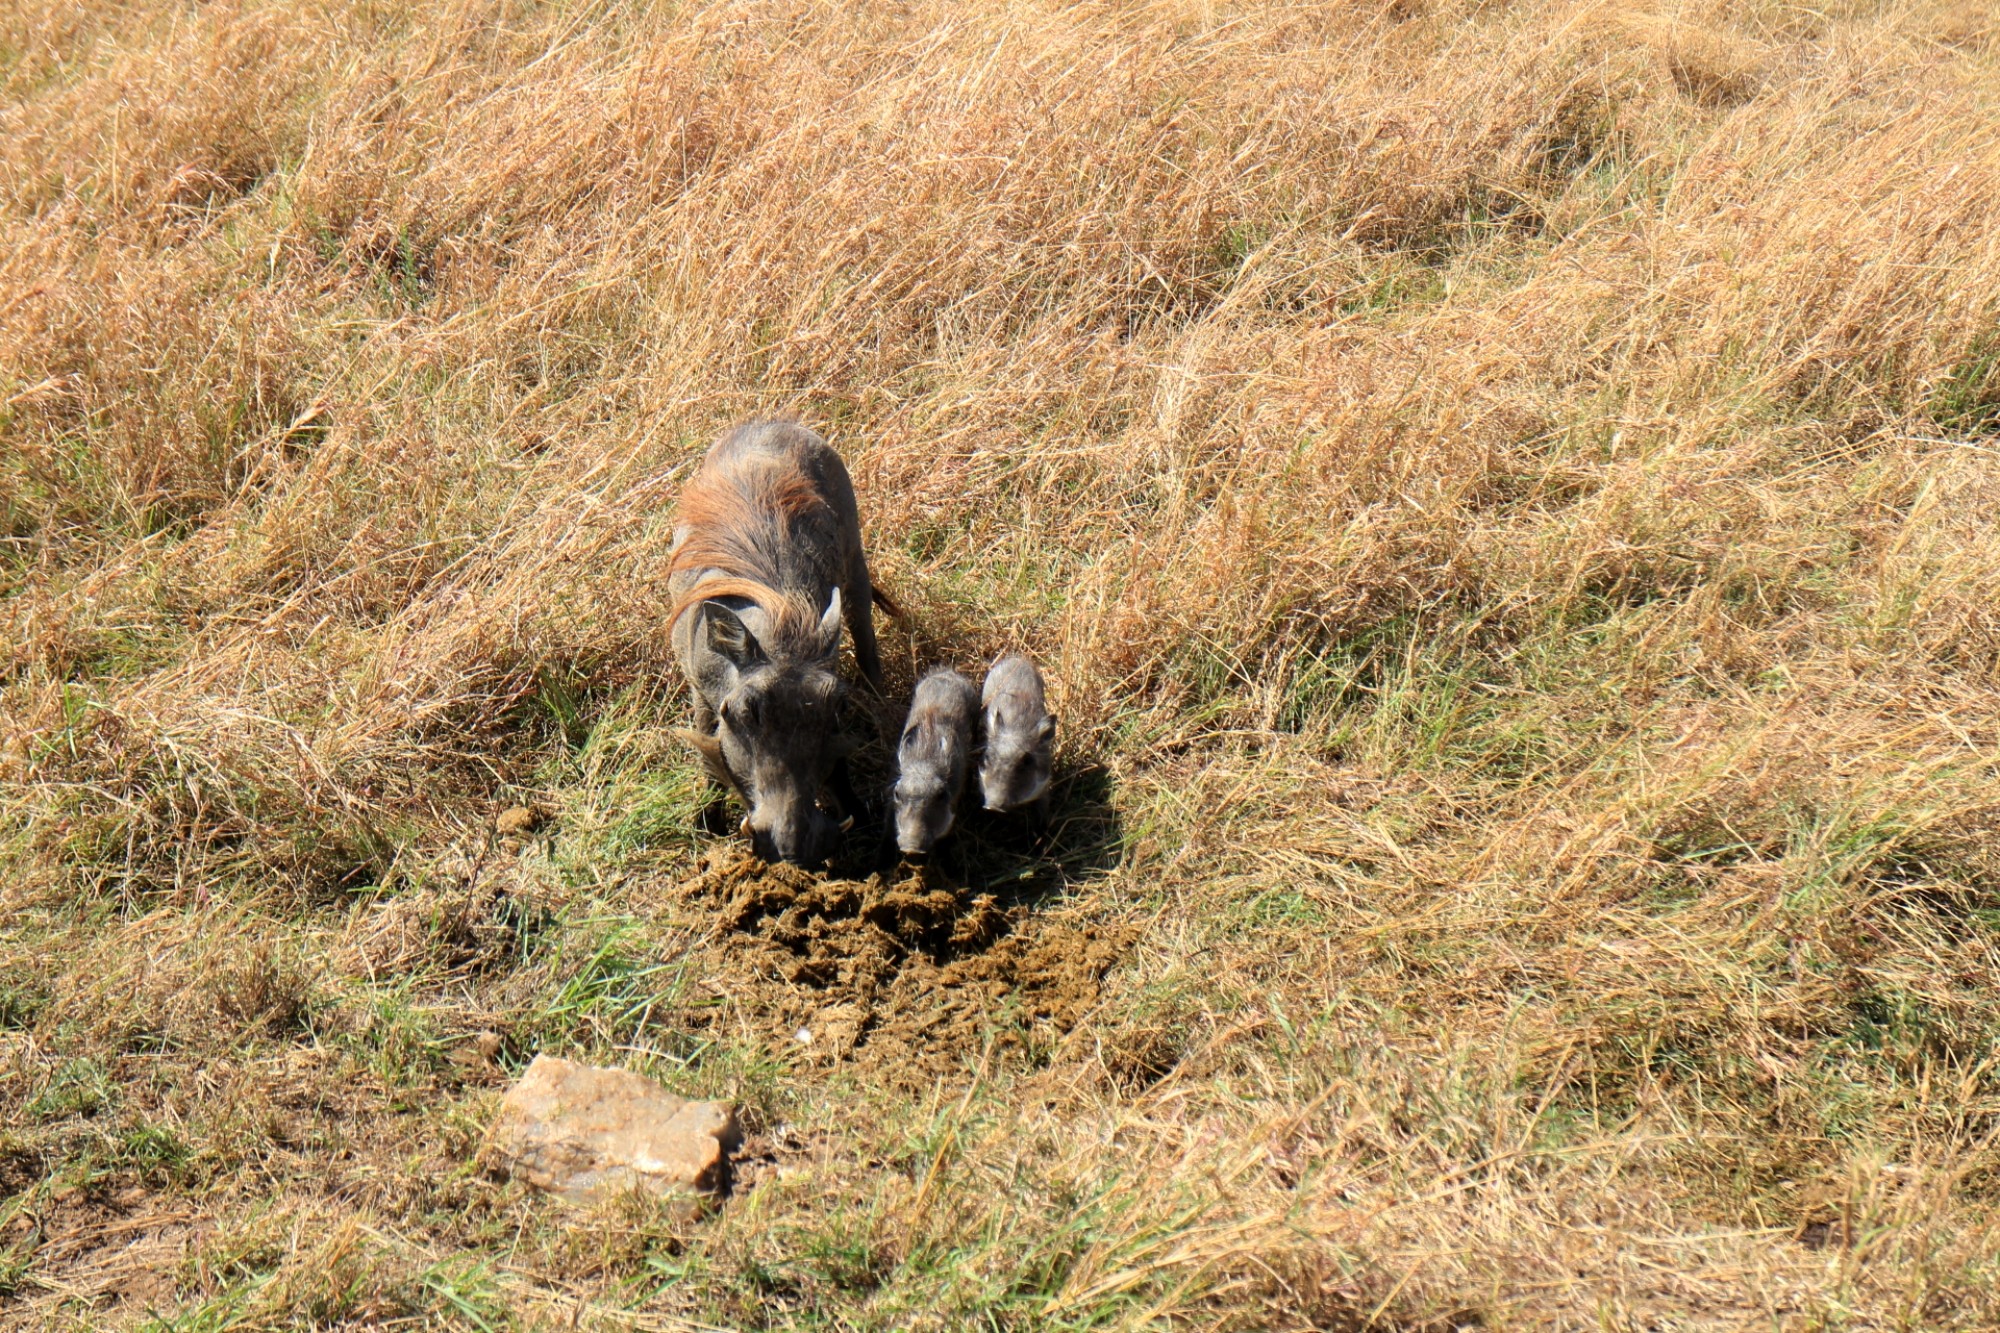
[1020, 738]
[932, 758]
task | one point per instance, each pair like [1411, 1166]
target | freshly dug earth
[907, 979]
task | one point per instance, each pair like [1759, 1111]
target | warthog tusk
[847, 823]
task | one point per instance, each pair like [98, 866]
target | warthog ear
[1047, 729]
[730, 638]
[829, 625]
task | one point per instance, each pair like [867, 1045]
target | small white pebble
[803, 1036]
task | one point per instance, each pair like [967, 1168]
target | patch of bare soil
[907, 978]
[108, 1251]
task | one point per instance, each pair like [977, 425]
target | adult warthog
[767, 561]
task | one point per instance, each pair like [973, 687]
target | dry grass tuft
[1502, 495]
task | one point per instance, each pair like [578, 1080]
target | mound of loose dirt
[908, 977]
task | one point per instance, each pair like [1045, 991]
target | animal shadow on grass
[1004, 854]
[986, 852]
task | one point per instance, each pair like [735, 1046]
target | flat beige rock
[587, 1133]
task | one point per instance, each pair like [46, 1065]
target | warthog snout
[923, 817]
[777, 738]
[803, 840]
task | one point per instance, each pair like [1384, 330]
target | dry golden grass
[1503, 493]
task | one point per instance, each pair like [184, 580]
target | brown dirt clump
[905, 977]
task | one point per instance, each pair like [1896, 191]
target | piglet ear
[829, 625]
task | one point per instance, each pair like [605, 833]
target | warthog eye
[738, 714]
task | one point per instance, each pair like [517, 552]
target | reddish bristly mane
[733, 517]
[770, 599]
